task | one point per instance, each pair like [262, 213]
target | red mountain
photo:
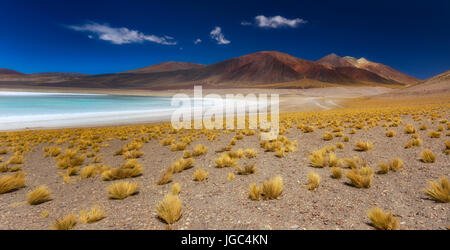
[9, 72]
[166, 66]
[384, 71]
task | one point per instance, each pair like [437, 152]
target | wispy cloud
[120, 35]
[275, 22]
[246, 23]
[217, 35]
[197, 41]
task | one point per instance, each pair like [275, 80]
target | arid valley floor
[78, 166]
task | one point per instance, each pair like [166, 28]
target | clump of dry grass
[72, 171]
[90, 216]
[250, 153]
[423, 127]
[428, 156]
[176, 188]
[92, 170]
[169, 209]
[382, 220]
[39, 195]
[360, 178]
[340, 145]
[409, 129]
[187, 154]
[396, 164]
[313, 181]
[255, 192]
[383, 168]
[121, 190]
[230, 176]
[434, 134]
[336, 172]
[45, 214]
[225, 161]
[327, 136]
[439, 191]
[69, 159]
[363, 146]
[182, 164]
[52, 151]
[351, 162]
[414, 143]
[200, 175]
[272, 189]
[200, 150]
[447, 147]
[166, 177]
[346, 138]
[65, 223]
[248, 169]
[13, 182]
[128, 170]
[390, 133]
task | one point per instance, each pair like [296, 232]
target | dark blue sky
[84, 36]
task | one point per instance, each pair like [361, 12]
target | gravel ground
[221, 204]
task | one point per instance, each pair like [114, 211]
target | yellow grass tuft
[200, 175]
[382, 220]
[361, 178]
[230, 176]
[94, 215]
[327, 136]
[45, 214]
[396, 164]
[340, 145]
[166, 177]
[13, 182]
[383, 168]
[428, 156]
[250, 153]
[121, 190]
[182, 164]
[72, 171]
[439, 191]
[126, 171]
[65, 223]
[200, 150]
[390, 133]
[273, 188]
[313, 181]
[169, 209]
[255, 192]
[409, 129]
[434, 134]
[39, 195]
[336, 172]
[414, 143]
[225, 161]
[363, 146]
[248, 169]
[176, 188]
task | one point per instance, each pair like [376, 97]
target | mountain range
[270, 69]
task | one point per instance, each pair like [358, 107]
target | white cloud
[217, 35]
[277, 21]
[120, 35]
[197, 41]
[246, 23]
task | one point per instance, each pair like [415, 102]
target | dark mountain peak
[10, 72]
[166, 67]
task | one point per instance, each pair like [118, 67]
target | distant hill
[9, 72]
[167, 66]
[266, 69]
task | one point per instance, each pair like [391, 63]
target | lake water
[21, 110]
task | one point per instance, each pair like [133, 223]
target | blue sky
[112, 36]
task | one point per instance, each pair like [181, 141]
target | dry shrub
[313, 181]
[383, 168]
[434, 134]
[123, 189]
[200, 175]
[230, 176]
[133, 154]
[13, 182]
[248, 169]
[409, 129]
[361, 178]
[396, 164]
[182, 164]
[336, 172]
[250, 153]
[255, 192]
[39, 195]
[414, 143]
[72, 171]
[176, 188]
[166, 177]
[273, 188]
[187, 154]
[65, 223]
[130, 169]
[382, 220]
[225, 161]
[92, 170]
[351, 162]
[439, 191]
[169, 209]
[390, 133]
[200, 150]
[428, 156]
[363, 146]
[327, 136]
[90, 216]
[340, 145]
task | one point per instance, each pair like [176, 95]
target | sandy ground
[220, 204]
